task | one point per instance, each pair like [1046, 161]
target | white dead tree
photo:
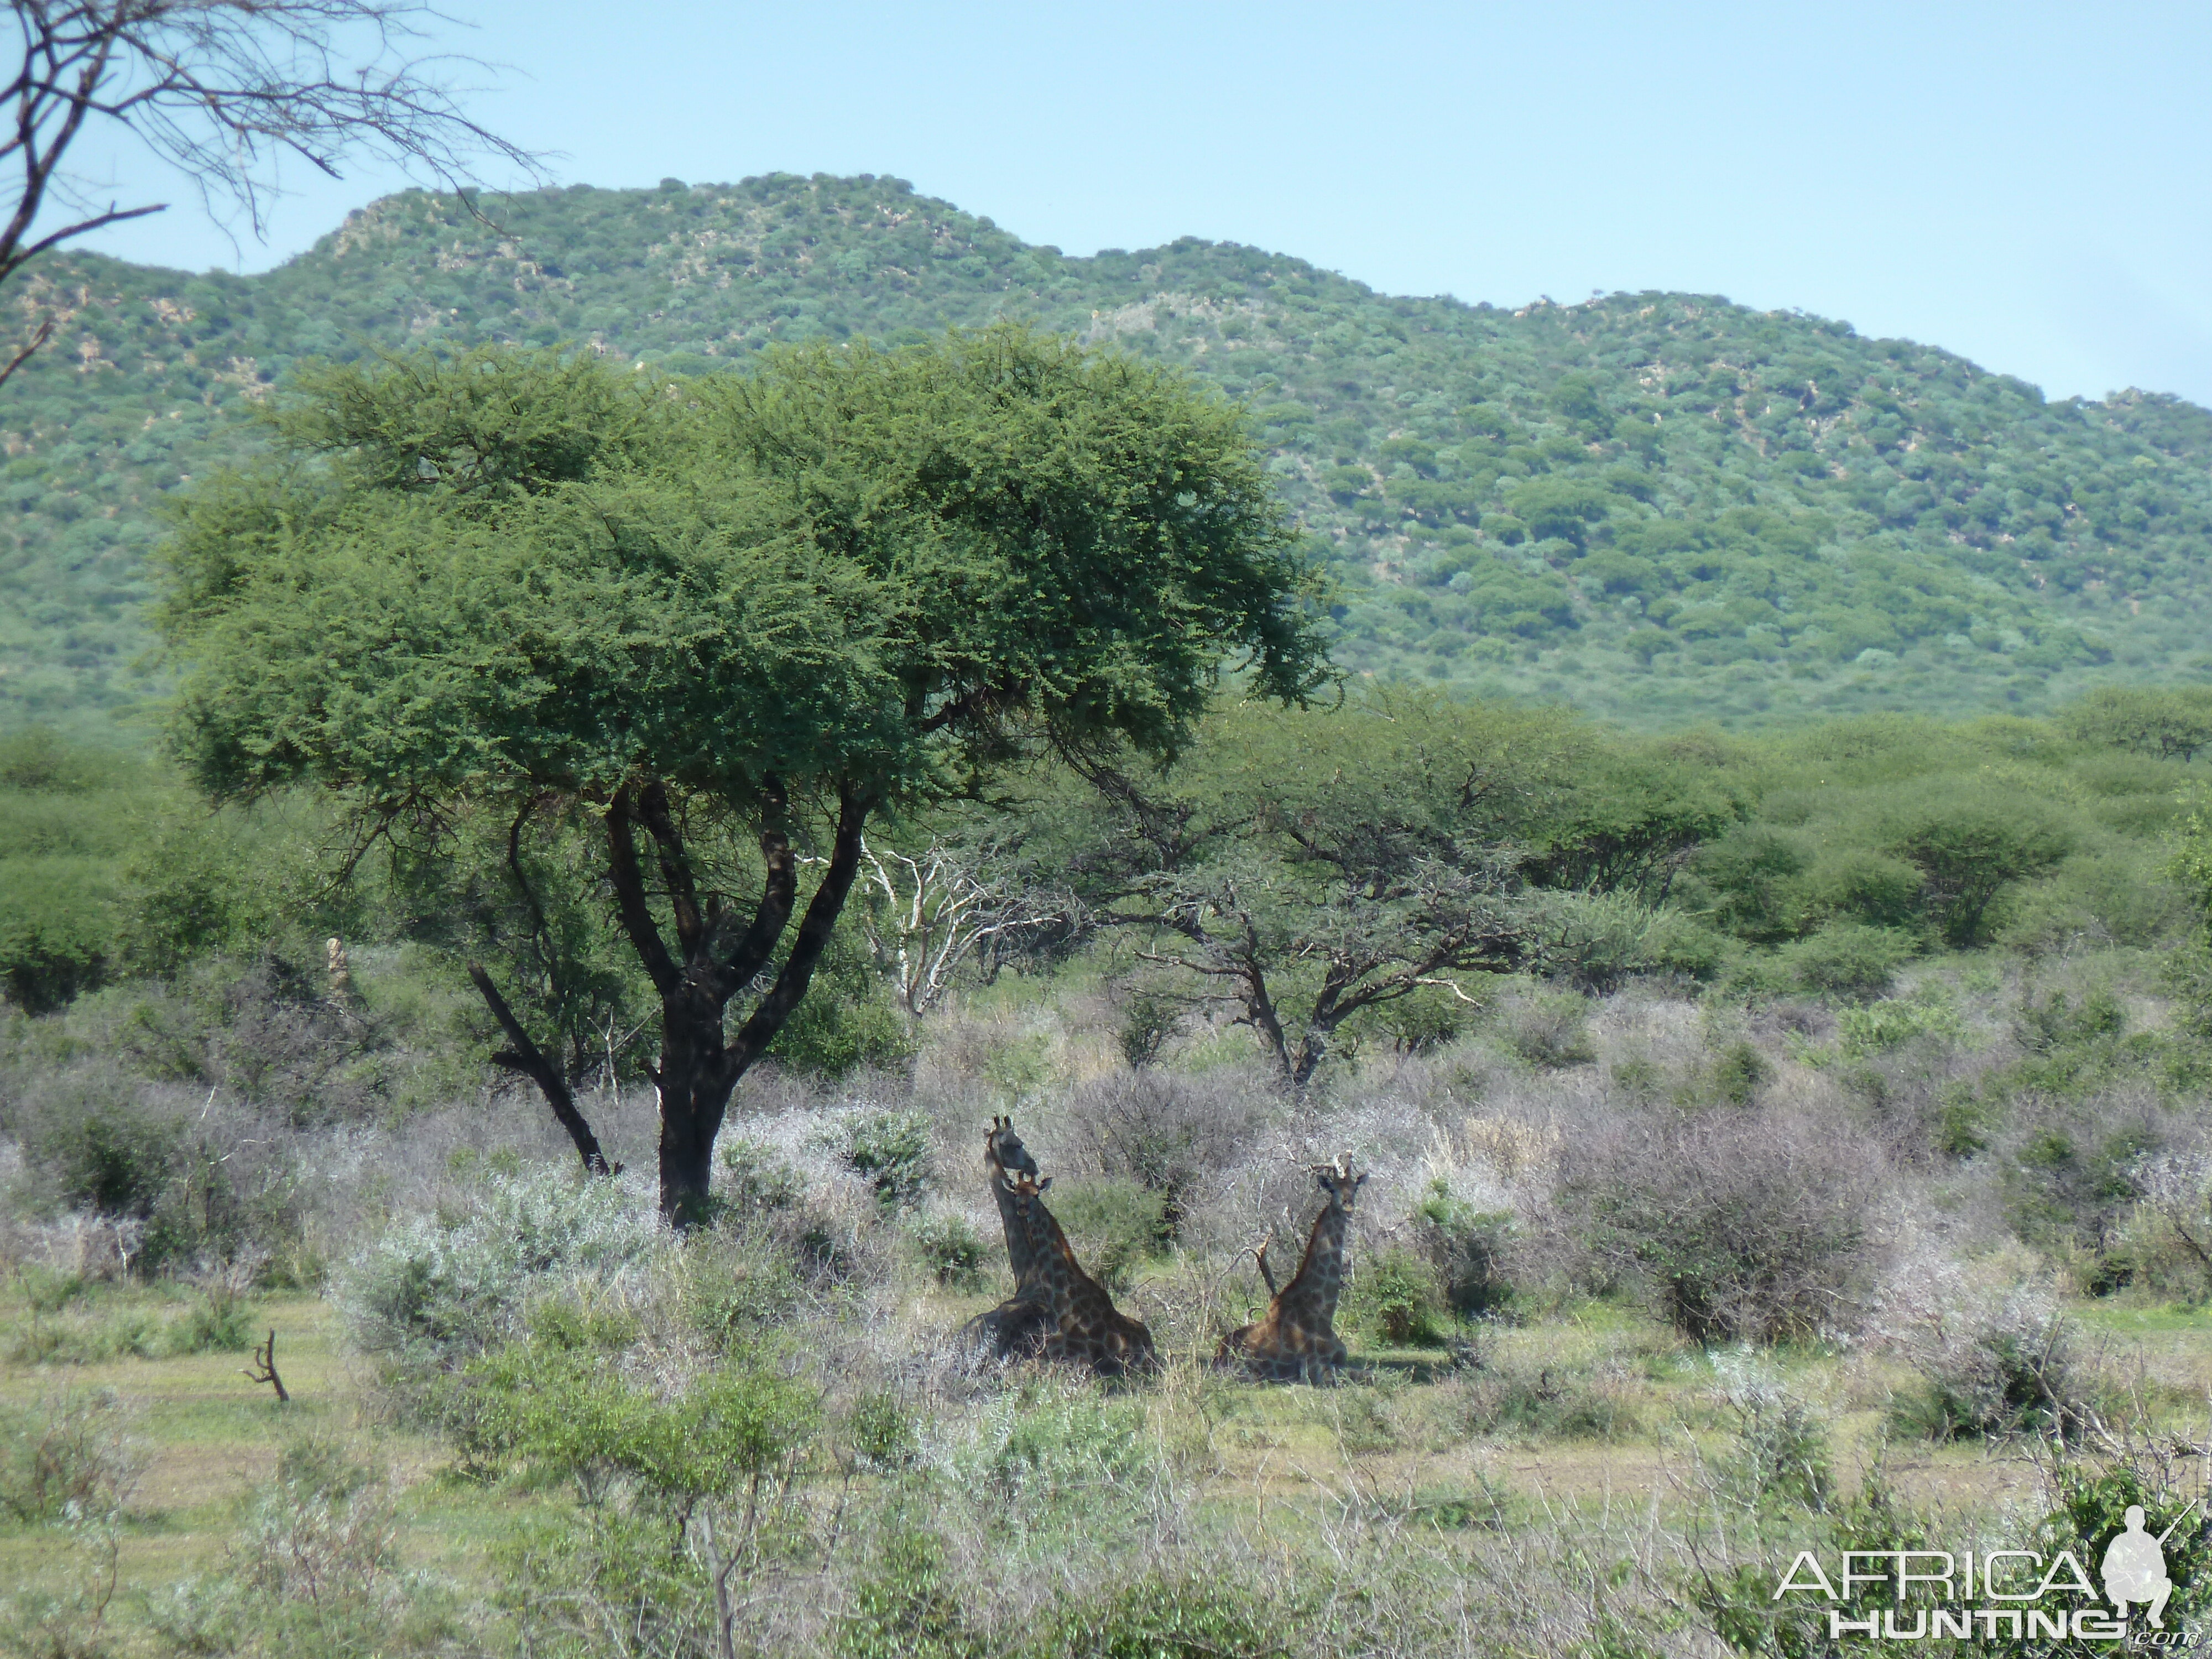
[933, 912]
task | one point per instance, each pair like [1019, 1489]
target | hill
[1660, 507]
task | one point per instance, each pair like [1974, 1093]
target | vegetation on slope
[1659, 507]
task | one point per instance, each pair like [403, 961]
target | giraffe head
[1339, 1183]
[1003, 1151]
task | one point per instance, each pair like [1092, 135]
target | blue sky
[2028, 184]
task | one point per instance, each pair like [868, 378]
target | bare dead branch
[264, 1370]
[222, 90]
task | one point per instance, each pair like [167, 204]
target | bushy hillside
[1659, 507]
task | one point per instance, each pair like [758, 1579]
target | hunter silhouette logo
[2134, 1567]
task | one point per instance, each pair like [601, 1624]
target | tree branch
[526, 1058]
[814, 931]
[631, 907]
[222, 90]
[39, 337]
[741, 963]
[675, 869]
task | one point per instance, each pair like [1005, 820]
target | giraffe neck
[1050, 1261]
[1019, 1253]
[1312, 1295]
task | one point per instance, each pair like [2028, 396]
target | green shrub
[892, 1150]
[67, 1454]
[759, 1177]
[220, 1320]
[41, 761]
[1751, 877]
[1847, 958]
[1892, 1023]
[1858, 887]
[315, 1569]
[568, 1412]
[48, 1290]
[1070, 1453]
[1543, 1402]
[881, 1432]
[113, 1156]
[59, 929]
[445, 1286]
[1738, 1073]
[200, 885]
[1163, 1617]
[952, 1251]
[2088, 1507]
[738, 1286]
[1468, 1248]
[1593, 941]
[907, 1605]
[1549, 1030]
[1681, 944]
[2003, 1362]
[1430, 1017]
[847, 1018]
[1781, 1453]
[1397, 1296]
[1114, 1226]
[1149, 1017]
[86, 1336]
[2044, 1025]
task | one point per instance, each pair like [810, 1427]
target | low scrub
[66, 1456]
[447, 1285]
[1994, 1351]
[1741, 1226]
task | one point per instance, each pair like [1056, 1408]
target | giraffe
[1091, 1330]
[1296, 1342]
[1020, 1326]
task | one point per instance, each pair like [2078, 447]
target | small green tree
[758, 608]
[2173, 725]
[2189, 970]
[1309, 867]
[1969, 847]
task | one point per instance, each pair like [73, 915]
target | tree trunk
[695, 1080]
[696, 981]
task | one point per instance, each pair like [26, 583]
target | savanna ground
[1652, 1291]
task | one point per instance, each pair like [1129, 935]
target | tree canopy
[853, 582]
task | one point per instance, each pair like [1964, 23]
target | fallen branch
[265, 1361]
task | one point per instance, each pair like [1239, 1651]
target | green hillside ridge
[1658, 507]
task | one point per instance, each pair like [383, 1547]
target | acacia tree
[777, 603]
[221, 90]
[1970, 845]
[1307, 867]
